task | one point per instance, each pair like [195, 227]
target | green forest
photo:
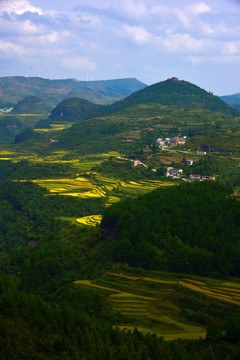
[193, 228]
[158, 274]
[43, 315]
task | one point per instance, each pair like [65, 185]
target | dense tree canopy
[188, 228]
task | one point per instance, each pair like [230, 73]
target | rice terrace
[85, 182]
[93, 185]
[152, 304]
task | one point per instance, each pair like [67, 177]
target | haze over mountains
[232, 100]
[163, 109]
[179, 98]
[171, 92]
[16, 88]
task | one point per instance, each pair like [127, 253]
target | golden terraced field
[146, 302]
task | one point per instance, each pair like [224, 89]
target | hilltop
[15, 88]
[171, 92]
[31, 105]
[178, 93]
[72, 110]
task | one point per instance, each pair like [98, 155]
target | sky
[151, 40]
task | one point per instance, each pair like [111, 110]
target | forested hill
[31, 105]
[16, 88]
[191, 228]
[178, 93]
[76, 109]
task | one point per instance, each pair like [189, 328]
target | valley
[101, 244]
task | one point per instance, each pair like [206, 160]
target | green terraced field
[151, 304]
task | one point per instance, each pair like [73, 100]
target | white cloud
[9, 49]
[102, 4]
[85, 21]
[182, 42]
[28, 27]
[18, 7]
[231, 48]
[79, 63]
[130, 8]
[199, 8]
[50, 38]
[15, 27]
[138, 34]
[196, 60]
[160, 10]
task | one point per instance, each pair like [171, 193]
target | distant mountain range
[16, 88]
[178, 97]
[163, 109]
[232, 100]
[171, 92]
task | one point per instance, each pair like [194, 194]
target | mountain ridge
[16, 88]
[179, 93]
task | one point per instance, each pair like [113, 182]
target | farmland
[67, 174]
[154, 302]
[93, 185]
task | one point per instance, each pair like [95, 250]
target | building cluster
[178, 173]
[165, 143]
[6, 110]
[195, 177]
[175, 173]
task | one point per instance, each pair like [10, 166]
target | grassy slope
[140, 125]
[170, 305]
[179, 93]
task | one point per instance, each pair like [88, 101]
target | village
[175, 141]
[174, 172]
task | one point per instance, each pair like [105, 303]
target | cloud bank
[148, 39]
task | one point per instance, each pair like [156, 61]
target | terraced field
[93, 185]
[91, 220]
[98, 186]
[54, 127]
[147, 303]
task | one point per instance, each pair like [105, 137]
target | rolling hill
[140, 125]
[16, 88]
[171, 92]
[178, 93]
[31, 105]
[75, 109]
[164, 109]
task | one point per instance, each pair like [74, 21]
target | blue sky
[151, 40]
